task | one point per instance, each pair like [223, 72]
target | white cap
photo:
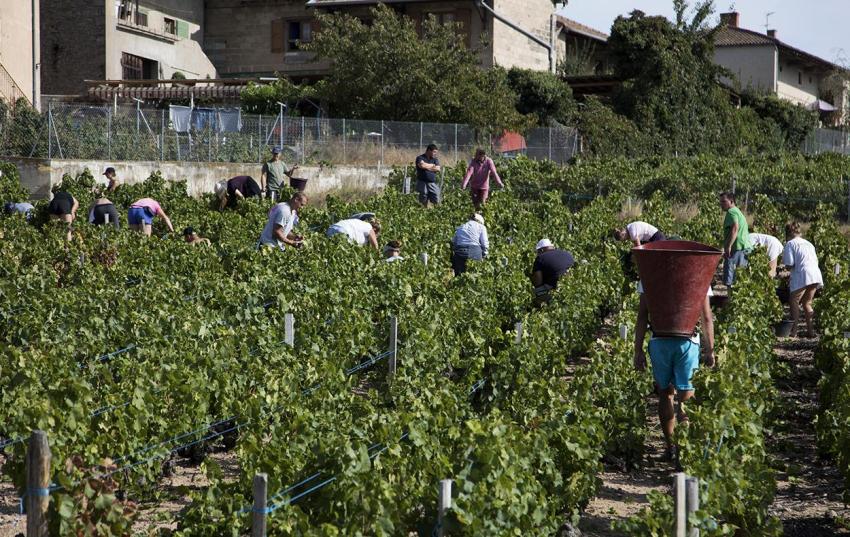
[478, 218]
[543, 243]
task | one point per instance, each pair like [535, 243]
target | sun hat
[275, 150]
[543, 243]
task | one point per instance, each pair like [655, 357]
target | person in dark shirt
[239, 187]
[427, 167]
[549, 266]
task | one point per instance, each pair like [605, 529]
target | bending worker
[639, 233]
[549, 265]
[358, 231]
[470, 241]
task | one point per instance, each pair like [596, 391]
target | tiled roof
[342, 3]
[579, 28]
[736, 37]
[741, 37]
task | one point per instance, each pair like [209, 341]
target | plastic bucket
[676, 276]
[298, 184]
[783, 329]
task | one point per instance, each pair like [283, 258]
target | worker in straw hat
[550, 264]
[674, 355]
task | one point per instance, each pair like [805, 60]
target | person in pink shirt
[478, 178]
[141, 213]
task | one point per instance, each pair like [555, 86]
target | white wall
[789, 86]
[172, 53]
[754, 66]
[39, 175]
[16, 42]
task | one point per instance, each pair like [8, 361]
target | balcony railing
[9, 89]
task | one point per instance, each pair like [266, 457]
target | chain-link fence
[827, 141]
[79, 131]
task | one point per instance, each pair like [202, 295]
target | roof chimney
[772, 33]
[730, 19]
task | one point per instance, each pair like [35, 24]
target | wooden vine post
[38, 484]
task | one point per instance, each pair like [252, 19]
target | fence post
[734, 183]
[259, 139]
[344, 159]
[692, 484]
[393, 346]
[405, 184]
[445, 503]
[679, 510]
[456, 150]
[38, 483]
[209, 145]
[109, 134]
[258, 513]
[420, 134]
[289, 329]
[382, 142]
[280, 117]
[50, 129]
[550, 143]
[303, 141]
[518, 327]
[162, 136]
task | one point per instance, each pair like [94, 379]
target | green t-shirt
[742, 241]
[275, 171]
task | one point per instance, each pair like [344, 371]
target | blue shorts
[139, 215]
[674, 361]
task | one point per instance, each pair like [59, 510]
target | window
[137, 68]
[298, 32]
[169, 26]
[126, 11]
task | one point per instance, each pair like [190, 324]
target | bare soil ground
[809, 489]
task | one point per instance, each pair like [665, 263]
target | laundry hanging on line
[185, 118]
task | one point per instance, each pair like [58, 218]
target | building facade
[16, 54]
[121, 40]
[763, 63]
[261, 37]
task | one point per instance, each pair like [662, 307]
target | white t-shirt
[282, 215]
[357, 230]
[641, 231]
[769, 242]
[800, 256]
[394, 259]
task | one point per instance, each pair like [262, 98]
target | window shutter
[464, 17]
[277, 35]
[315, 27]
[182, 29]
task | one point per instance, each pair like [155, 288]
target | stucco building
[250, 38]
[16, 54]
[764, 63]
[120, 39]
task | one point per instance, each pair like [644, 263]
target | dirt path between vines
[809, 489]
[808, 499]
[623, 494]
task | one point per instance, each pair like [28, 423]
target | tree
[795, 121]
[542, 95]
[670, 81]
[385, 70]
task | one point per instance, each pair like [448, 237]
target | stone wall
[73, 44]
[39, 175]
[511, 48]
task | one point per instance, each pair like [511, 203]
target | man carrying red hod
[676, 275]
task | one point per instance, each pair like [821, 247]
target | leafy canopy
[386, 70]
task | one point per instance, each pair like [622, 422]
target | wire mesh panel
[83, 131]
[827, 140]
